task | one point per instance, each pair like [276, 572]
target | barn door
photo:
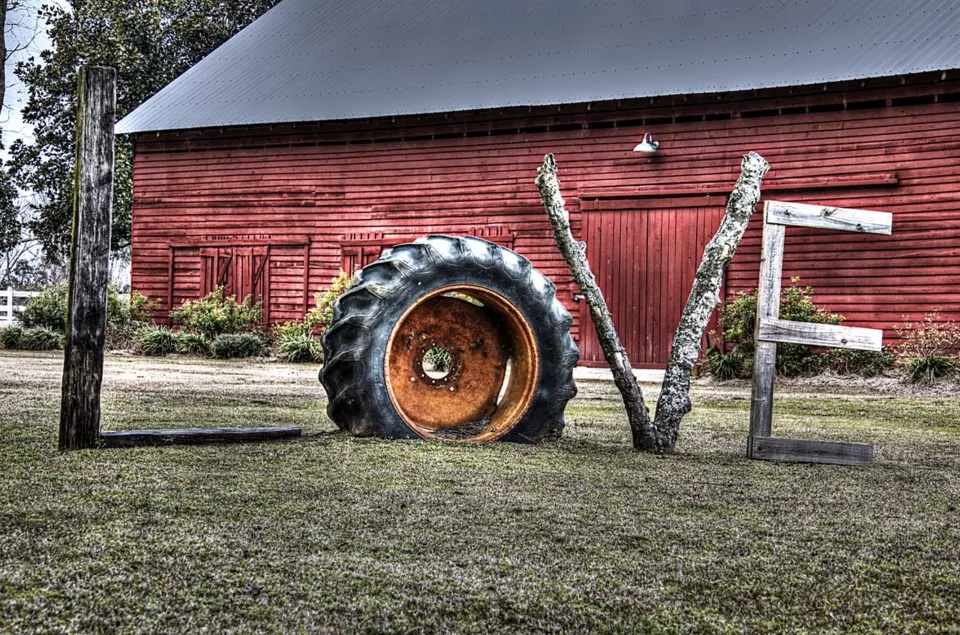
[645, 254]
[241, 271]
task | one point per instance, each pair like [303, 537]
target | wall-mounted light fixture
[647, 145]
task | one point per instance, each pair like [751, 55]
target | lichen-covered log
[659, 435]
[575, 253]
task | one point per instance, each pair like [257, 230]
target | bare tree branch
[575, 253]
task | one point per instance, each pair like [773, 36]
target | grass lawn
[332, 533]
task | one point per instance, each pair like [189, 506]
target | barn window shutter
[499, 234]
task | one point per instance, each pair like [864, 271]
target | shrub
[726, 366]
[926, 370]
[41, 339]
[11, 336]
[231, 345]
[290, 329]
[319, 317]
[47, 310]
[192, 343]
[864, 363]
[298, 348]
[928, 348]
[155, 341]
[796, 303]
[218, 314]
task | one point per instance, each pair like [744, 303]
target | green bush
[739, 322]
[47, 310]
[724, 366]
[319, 317]
[928, 348]
[219, 314]
[232, 345]
[192, 343]
[298, 348]
[155, 341]
[926, 370]
[41, 339]
[290, 329]
[864, 363]
[11, 336]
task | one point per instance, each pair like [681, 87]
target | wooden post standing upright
[89, 260]
[770, 329]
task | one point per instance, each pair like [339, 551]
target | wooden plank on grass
[808, 451]
[824, 217]
[787, 331]
[138, 438]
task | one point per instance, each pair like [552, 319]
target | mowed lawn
[332, 533]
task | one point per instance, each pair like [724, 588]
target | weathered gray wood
[89, 260]
[575, 254]
[808, 451]
[768, 307]
[139, 438]
[674, 401]
[787, 331]
[823, 217]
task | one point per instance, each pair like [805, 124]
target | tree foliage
[150, 43]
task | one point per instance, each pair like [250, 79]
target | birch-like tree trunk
[659, 435]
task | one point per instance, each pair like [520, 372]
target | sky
[34, 37]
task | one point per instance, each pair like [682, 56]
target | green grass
[332, 533]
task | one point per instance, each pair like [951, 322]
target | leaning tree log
[660, 434]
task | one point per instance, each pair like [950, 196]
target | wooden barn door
[242, 271]
[645, 253]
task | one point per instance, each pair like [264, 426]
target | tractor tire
[450, 338]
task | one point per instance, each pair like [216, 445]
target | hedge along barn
[328, 131]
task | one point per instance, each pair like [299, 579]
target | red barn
[326, 132]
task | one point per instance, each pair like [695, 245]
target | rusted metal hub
[475, 398]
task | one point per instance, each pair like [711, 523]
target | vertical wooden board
[765, 356]
[635, 283]
[656, 219]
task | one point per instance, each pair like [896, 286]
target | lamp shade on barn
[326, 132]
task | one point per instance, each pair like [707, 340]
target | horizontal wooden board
[787, 331]
[810, 451]
[826, 217]
[199, 436]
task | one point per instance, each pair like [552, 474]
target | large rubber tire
[355, 346]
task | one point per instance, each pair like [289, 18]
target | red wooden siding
[889, 145]
[644, 254]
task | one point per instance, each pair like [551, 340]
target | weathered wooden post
[89, 260]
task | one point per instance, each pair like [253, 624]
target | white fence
[12, 302]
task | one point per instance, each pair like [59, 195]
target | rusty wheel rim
[492, 372]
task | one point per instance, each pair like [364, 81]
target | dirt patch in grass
[332, 533]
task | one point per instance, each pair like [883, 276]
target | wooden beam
[140, 438]
[807, 451]
[822, 217]
[89, 260]
[768, 308]
[786, 331]
[885, 179]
